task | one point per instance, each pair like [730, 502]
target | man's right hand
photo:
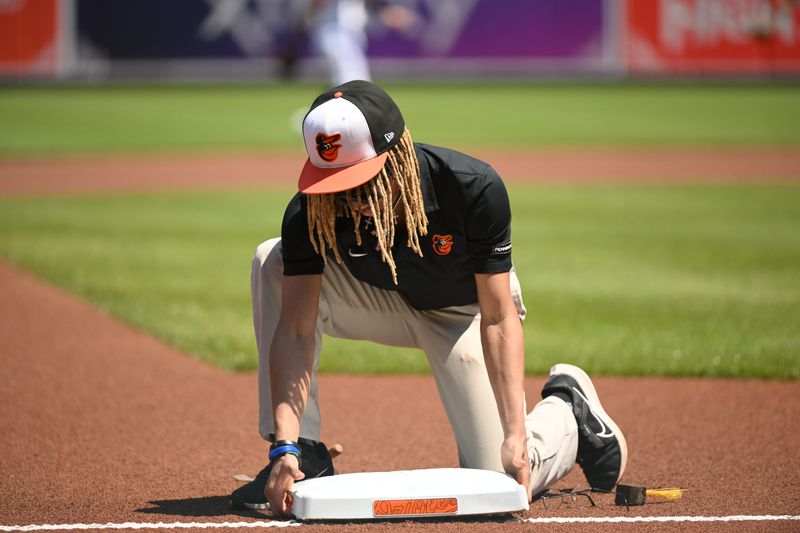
[285, 472]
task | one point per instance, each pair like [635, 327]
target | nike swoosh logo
[356, 254]
[605, 432]
[322, 472]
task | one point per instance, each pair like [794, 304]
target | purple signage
[488, 29]
[436, 29]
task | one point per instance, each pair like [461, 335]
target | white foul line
[292, 523]
[153, 525]
[630, 519]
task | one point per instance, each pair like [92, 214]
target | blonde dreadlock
[402, 169]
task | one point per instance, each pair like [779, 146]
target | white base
[408, 493]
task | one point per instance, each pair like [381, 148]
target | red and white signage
[713, 36]
[30, 42]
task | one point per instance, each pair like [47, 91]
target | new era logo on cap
[347, 133]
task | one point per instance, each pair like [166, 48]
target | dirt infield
[101, 423]
[123, 173]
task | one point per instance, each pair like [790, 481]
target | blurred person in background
[336, 30]
[339, 35]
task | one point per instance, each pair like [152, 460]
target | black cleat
[316, 462]
[251, 495]
[602, 450]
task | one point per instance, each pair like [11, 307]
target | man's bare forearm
[504, 353]
[291, 361]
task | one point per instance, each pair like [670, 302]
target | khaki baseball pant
[450, 338]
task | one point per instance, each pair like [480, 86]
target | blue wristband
[286, 449]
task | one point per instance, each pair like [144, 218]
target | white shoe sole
[257, 506]
[597, 408]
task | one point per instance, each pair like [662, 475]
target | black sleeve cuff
[492, 265]
[303, 269]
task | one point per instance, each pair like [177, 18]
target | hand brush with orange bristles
[636, 495]
[671, 493]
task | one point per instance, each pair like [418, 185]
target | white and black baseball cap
[348, 132]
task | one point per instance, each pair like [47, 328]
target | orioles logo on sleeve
[442, 244]
[327, 148]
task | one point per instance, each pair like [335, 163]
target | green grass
[664, 280]
[55, 120]
[673, 280]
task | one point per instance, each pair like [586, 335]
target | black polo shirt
[469, 232]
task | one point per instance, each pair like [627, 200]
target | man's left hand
[514, 454]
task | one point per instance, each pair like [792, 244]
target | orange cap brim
[316, 180]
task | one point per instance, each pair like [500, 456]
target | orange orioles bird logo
[327, 148]
[442, 244]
